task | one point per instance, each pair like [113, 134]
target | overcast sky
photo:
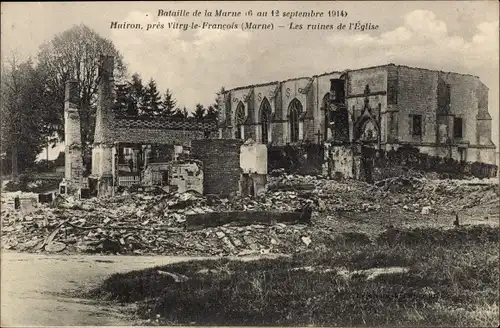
[450, 36]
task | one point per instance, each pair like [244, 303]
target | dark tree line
[135, 99]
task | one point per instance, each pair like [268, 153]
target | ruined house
[440, 113]
[131, 150]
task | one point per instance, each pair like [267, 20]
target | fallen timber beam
[295, 187]
[242, 218]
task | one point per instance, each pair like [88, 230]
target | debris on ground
[154, 221]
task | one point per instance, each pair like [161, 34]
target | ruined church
[441, 113]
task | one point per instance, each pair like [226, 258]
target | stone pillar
[102, 152]
[135, 159]
[253, 164]
[147, 152]
[72, 138]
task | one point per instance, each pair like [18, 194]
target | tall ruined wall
[390, 114]
[221, 162]
[396, 95]
[321, 88]
[417, 94]
[375, 78]
[463, 102]
[367, 84]
[483, 128]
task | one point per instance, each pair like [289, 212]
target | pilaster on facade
[307, 88]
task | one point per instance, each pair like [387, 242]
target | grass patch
[451, 279]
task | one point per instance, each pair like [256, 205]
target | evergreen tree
[199, 112]
[122, 98]
[136, 94]
[212, 111]
[168, 104]
[144, 108]
[180, 113]
[152, 99]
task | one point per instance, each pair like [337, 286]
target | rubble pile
[149, 222]
[420, 194]
[152, 221]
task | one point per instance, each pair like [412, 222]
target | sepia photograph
[250, 163]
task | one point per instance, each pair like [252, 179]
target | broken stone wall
[392, 163]
[186, 175]
[305, 158]
[347, 161]
[339, 161]
[221, 164]
[253, 163]
[153, 174]
[355, 161]
[164, 136]
[253, 158]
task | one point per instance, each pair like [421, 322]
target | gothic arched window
[294, 110]
[327, 115]
[265, 119]
[326, 101]
[239, 120]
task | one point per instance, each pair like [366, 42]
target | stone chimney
[102, 151]
[105, 90]
[72, 137]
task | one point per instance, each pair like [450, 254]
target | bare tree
[74, 54]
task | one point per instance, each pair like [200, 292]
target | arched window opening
[239, 120]
[327, 113]
[295, 109]
[265, 119]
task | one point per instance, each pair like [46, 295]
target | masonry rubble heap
[152, 221]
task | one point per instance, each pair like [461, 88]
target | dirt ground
[39, 289]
